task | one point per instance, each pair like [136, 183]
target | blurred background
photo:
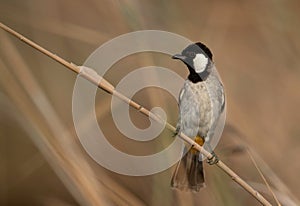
[256, 49]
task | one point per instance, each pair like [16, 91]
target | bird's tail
[189, 174]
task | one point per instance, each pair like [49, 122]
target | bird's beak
[179, 56]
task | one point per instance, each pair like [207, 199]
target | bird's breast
[195, 109]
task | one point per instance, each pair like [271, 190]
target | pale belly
[195, 110]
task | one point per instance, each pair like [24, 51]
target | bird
[201, 103]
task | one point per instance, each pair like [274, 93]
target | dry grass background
[256, 47]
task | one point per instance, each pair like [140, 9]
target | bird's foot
[176, 132]
[213, 160]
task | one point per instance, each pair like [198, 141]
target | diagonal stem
[103, 84]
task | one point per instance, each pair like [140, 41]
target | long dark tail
[189, 174]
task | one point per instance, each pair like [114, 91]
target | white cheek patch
[200, 62]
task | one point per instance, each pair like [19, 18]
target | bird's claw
[213, 160]
[176, 132]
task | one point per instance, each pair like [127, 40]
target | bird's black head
[198, 59]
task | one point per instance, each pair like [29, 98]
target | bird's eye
[192, 54]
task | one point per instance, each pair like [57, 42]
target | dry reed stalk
[263, 177]
[274, 179]
[93, 77]
[58, 147]
[59, 151]
[283, 198]
[264, 168]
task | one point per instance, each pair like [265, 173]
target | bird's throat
[195, 78]
[198, 77]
